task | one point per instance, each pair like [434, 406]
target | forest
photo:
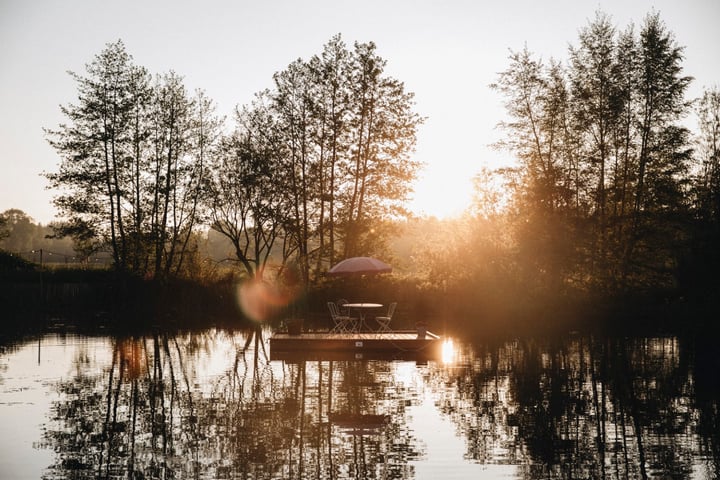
[610, 210]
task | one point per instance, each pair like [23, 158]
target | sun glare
[448, 351]
[442, 194]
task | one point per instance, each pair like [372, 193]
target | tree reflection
[583, 407]
[165, 408]
[212, 405]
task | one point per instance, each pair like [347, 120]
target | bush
[13, 263]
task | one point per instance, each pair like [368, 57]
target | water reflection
[213, 404]
[586, 408]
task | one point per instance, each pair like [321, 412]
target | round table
[361, 311]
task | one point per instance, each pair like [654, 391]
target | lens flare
[259, 299]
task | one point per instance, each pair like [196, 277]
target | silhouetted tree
[601, 198]
[700, 267]
[382, 129]
[663, 153]
[17, 231]
[707, 183]
[248, 197]
[132, 163]
[334, 138]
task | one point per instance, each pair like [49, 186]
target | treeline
[308, 166]
[612, 199]
[605, 163]
[609, 192]
[20, 235]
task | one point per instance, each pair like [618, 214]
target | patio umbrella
[359, 266]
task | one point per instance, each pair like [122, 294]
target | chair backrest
[334, 313]
[341, 306]
[391, 309]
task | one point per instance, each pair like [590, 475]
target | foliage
[132, 163]
[309, 167]
[21, 236]
[707, 163]
[318, 162]
[701, 263]
[10, 262]
[607, 199]
[600, 198]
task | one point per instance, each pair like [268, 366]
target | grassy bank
[481, 310]
[104, 296]
[91, 297]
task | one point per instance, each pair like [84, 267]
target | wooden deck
[355, 346]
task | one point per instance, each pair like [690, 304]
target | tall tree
[540, 133]
[663, 153]
[205, 134]
[624, 143]
[596, 110]
[183, 129]
[136, 177]
[131, 163]
[293, 101]
[382, 131]
[707, 184]
[330, 71]
[94, 148]
[249, 202]
[703, 261]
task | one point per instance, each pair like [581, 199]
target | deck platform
[355, 346]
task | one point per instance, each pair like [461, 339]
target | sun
[442, 194]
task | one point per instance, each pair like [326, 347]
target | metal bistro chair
[342, 323]
[384, 320]
[341, 302]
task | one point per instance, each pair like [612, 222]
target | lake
[215, 404]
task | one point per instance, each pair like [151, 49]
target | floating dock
[400, 345]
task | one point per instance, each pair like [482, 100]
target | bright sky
[447, 52]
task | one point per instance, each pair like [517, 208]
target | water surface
[212, 404]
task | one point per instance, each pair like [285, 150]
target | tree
[702, 261]
[248, 200]
[330, 71]
[707, 182]
[205, 133]
[662, 101]
[18, 233]
[604, 160]
[183, 130]
[132, 163]
[663, 152]
[338, 135]
[382, 128]
[94, 148]
[293, 103]
[548, 188]
[595, 102]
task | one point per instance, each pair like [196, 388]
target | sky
[446, 52]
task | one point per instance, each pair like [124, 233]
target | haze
[446, 53]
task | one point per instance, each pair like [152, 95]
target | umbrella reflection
[359, 424]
